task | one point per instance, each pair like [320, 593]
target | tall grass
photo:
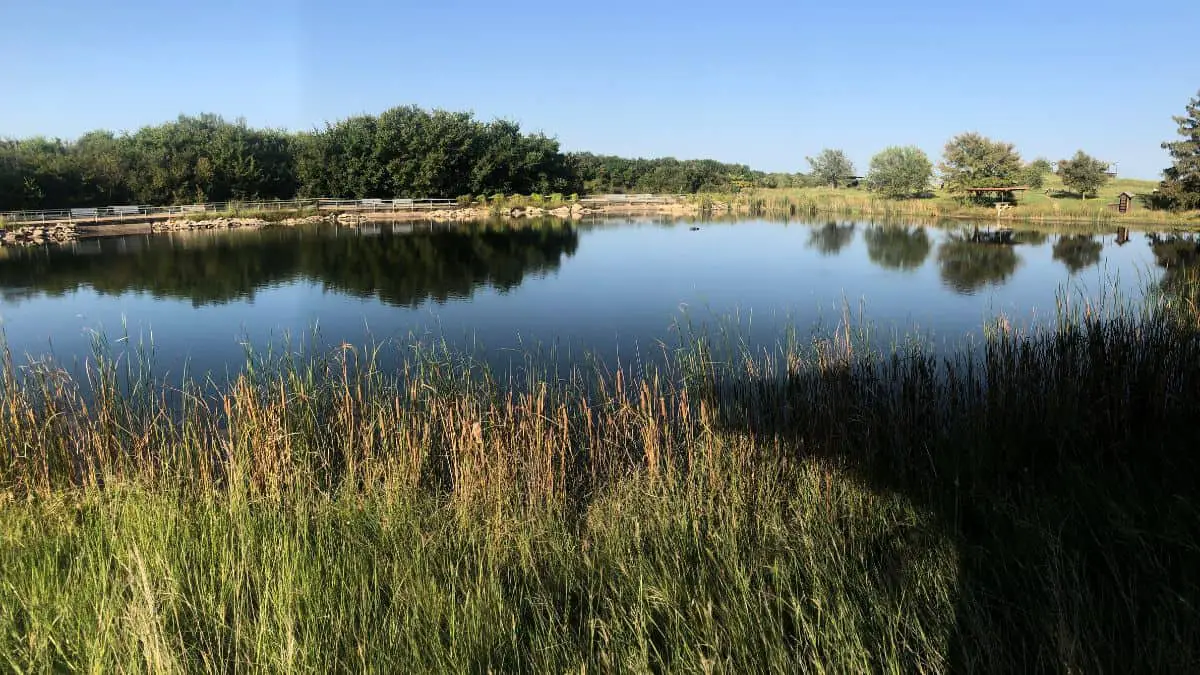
[1026, 505]
[1037, 207]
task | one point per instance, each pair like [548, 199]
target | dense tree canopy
[1181, 181]
[608, 174]
[899, 172]
[971, 160]
[403, 152]
[1083, 173]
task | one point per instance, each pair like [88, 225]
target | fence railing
[132, 211]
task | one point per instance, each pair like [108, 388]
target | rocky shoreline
[36, 235]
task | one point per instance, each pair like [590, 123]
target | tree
[1034, 173]
[1083, 173]
[1180, 188]
[972, 160]
[899, 172]
[831, 167]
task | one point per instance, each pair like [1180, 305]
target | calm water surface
[613, 288]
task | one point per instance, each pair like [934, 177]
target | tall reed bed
[1028, 504]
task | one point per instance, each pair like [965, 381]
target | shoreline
[578, 212]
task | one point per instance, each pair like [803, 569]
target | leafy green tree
[1034, 173]
[1083, 173]
[897, 248]
[899, 172]
[972, 160]
[1180, 188]
[831, 168]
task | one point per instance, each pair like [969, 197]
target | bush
[464, 200]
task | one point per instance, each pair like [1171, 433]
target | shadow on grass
[1064, 467]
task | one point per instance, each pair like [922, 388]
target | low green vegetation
[1026, 505]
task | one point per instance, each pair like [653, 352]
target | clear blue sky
[765, 83]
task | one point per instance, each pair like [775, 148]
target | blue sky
[765, 83]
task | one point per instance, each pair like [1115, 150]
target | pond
[613, 288]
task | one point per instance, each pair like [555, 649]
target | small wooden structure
[1123, 204]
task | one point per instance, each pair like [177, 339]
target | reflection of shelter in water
[999, 235]
[1122, 236]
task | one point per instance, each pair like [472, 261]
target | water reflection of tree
[831, 238]
[1179, 255]
[967, 266]
[897, 248]
[402, 269]
[1030, 237]
[1077, 251]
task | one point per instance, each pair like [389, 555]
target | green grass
[832, 505]
[1049, 204]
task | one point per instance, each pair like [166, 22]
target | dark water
[613, 288]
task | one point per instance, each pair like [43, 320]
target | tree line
[412, 152]
[403, 152]
[971, 161]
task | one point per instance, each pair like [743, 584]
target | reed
[835, 503]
